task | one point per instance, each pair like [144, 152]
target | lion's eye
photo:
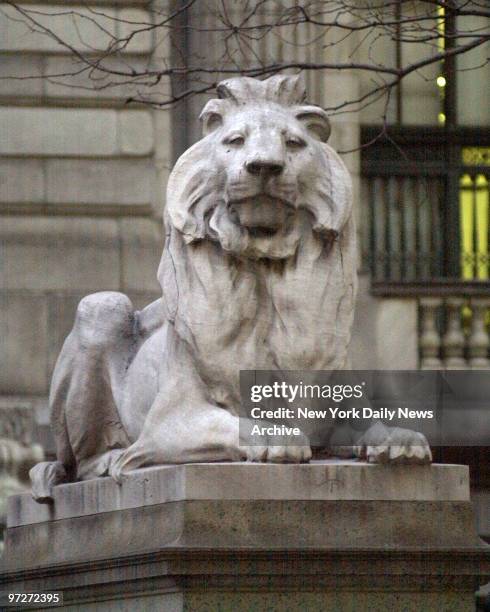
[295, 143]
[236, 140]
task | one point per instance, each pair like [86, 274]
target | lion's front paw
[382, 444]
[288, 454]
[116, 471]
[279, 454]
[121, 464]
[298, 451]
[270, 446]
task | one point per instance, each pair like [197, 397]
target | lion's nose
[263, 167]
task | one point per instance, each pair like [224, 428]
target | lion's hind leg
[84, 396]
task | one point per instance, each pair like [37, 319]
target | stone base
[325, 536]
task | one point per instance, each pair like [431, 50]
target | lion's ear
[315, 120]
[211, 116]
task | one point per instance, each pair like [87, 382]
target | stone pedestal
[325, 536]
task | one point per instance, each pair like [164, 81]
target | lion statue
[258, 273]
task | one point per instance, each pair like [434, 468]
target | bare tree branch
[240, 31]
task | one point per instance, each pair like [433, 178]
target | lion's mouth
[261, 215]
[262, 232]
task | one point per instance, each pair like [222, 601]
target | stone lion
[258, 272]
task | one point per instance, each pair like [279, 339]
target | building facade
[83, 175]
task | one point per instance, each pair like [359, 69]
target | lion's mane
[280, 302]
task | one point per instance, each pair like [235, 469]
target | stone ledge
[75, 132]
[319, 480]
[86, 186]
[245, 524]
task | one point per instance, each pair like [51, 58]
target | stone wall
[80, 188]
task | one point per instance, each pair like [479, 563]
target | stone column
[430, 339]
[479, 341]
[453, 341]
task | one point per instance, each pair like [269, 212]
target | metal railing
[404, 241]
[425, 211]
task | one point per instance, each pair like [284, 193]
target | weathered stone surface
[390, 313]
[141, 243]
[320, 480]
[133, 23]
[79, 185]
[21, 181]
[24, 342]
[19, 67]
[39, 321]
[244, 580]
[94, 85]
[217, 536]
[116, 181]
[345, 134]
[135, 133]
[31, 253]
[62, 307]
[74, 132]
[48, 131]
[238, 524]
[140, 299]
[165, 139]
[76, 26]
[481, 502]
[371, 347]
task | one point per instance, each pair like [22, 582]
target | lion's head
[261, 173]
